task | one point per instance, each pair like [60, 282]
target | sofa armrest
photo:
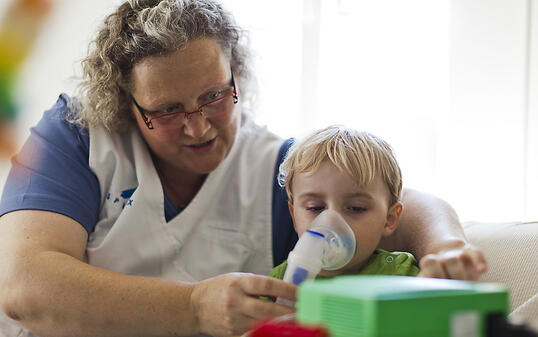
[511, 250]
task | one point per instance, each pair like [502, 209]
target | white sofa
[511, 250]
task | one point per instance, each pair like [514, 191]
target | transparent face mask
[328, 243]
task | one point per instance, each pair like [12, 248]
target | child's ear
[393, 217]
[290, 206]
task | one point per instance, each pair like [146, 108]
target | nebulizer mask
[328, 243]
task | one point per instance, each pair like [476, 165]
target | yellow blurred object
[40, 8]
[8, 140]
[19, 28]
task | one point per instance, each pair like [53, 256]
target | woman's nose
[196, 125]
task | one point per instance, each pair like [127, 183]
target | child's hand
[465, 262]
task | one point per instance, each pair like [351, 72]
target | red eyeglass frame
[147, 120]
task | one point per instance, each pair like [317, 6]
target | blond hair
[360, 155]
[142, 28]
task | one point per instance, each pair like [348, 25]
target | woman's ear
[393, 217]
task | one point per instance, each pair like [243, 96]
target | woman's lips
[202, 147]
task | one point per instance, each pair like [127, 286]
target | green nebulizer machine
[400, 306]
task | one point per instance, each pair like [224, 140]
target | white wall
[55, 59]
[481, 159]
[450, 84]
[531, 118]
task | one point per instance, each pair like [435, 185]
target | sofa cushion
[511, 250]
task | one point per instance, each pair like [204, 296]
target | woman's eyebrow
[164, 105]
[220, 85]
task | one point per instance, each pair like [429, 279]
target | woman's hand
[464, 262]
[229, 304]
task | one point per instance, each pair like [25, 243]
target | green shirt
[380, 263]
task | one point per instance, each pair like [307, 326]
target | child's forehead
[328, 178]
[329, 174]
[360, 177]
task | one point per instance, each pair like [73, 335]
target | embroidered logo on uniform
[123, 199]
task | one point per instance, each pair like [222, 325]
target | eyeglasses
[216, 103]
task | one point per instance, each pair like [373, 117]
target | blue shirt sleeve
[284, 235]
[52, 173]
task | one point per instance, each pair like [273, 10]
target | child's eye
[316, 209]
[357, 209]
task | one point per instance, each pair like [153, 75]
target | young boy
[355, 174]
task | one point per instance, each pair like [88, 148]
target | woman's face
[182, 81]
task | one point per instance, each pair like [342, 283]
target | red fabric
[287, 330]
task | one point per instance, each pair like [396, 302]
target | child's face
[365, 208]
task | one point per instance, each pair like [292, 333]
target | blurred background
[451, 84]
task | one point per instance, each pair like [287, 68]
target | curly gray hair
[143, 28]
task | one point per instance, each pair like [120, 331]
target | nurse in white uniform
[160, 116]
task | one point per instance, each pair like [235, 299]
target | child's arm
[430, 229]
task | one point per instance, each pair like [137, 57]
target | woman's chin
[206, 166]
[205, 163]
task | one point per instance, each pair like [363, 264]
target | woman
[128, 209]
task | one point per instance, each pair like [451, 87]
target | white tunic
[225, 228]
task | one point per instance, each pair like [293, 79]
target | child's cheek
[301, 226]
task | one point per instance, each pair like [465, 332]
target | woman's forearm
[47, 288]
[427, 225]
[58, 295]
